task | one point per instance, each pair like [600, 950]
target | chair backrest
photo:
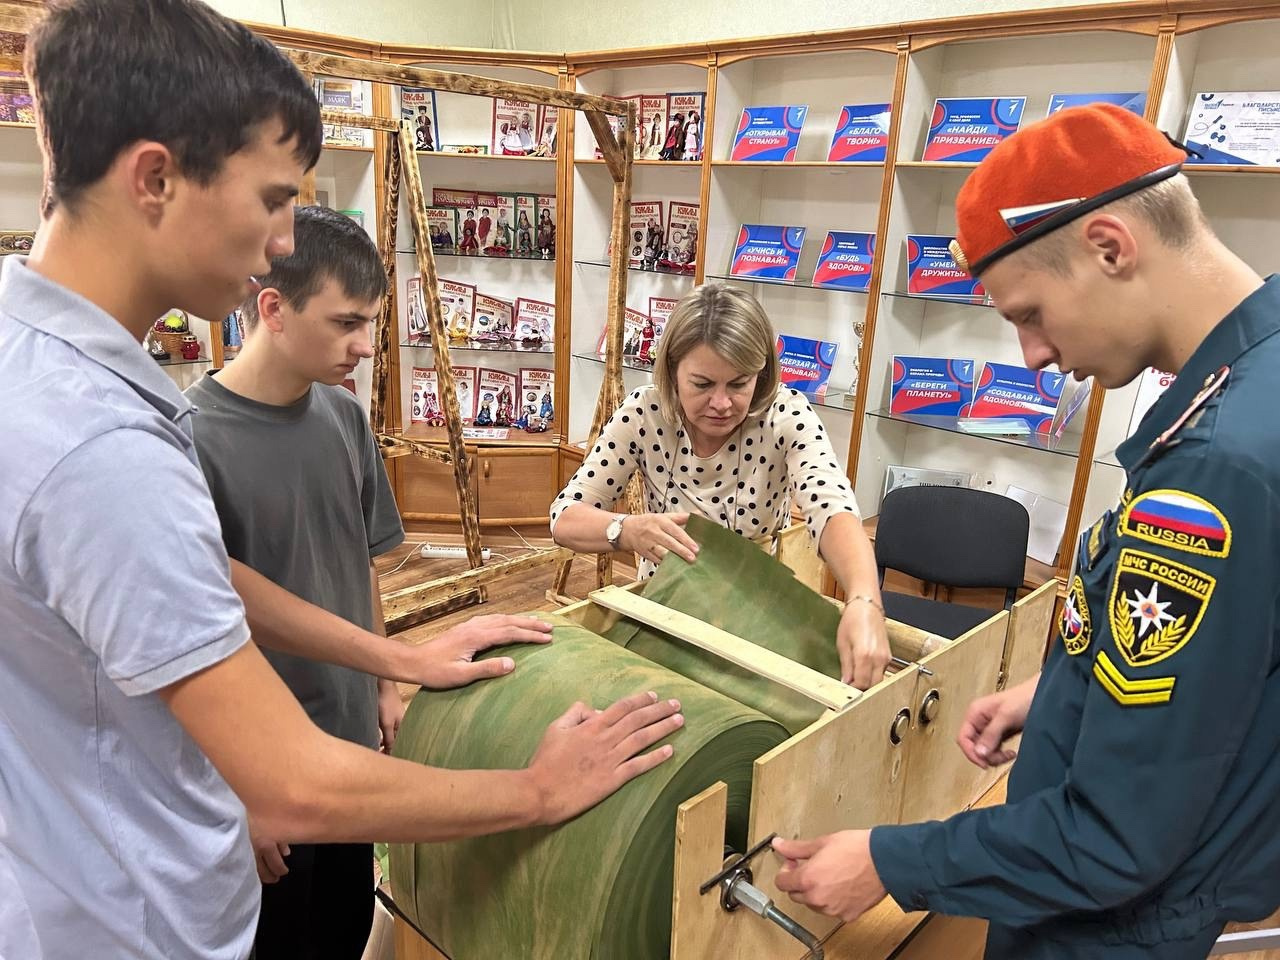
[954, 536]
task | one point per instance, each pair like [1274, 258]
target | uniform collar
[46, 306]
[1252, 321]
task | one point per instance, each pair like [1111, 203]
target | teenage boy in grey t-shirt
[131, 703]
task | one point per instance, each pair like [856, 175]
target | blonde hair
[733, 324]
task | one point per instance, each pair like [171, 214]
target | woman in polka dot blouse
[714, 434]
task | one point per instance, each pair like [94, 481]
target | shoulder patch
[1179, 521]
[1156, 605]
[1074, 625]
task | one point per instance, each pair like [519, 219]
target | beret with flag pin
[1053, 172]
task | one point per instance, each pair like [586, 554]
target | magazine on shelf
[537, 397]
[544, 237]
[345, 95]
[651, 126]
[804, 364]
[548, 131]
[463, 200]
[1005, 391]
[464, 384]
[1235, 128]
[768, 133]
[862, 134]
[535, 321]
[497, 220]
[645, 236]
[639, 337]
[767, 252]
[526, 219]
[660, 309]
[424, 402]
[416, 311]
[418, 106]
[966, 129]
[442, 227]
[496, 398]
[845, 261]
[681, 250]
[457, 307]
[16, 107]
[616, 122]
[932, 271]
[494, 318]
[1133, 102]
[514, 132]
[931, 386]
[1151, 386]
[685, 112]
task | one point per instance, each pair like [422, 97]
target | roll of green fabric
[736, 586]
[599, 887]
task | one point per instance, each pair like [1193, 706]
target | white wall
[442, 23]
[559, 25]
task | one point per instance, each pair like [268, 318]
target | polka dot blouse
[780, 457]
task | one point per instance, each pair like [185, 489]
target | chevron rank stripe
[1131, 693]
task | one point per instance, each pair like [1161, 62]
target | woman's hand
[654, 535]
[863, 644]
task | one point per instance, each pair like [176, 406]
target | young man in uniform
[1143, 813]
[132, 703]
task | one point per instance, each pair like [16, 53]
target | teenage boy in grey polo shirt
[131, 705]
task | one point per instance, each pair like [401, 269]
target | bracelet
[865, 599]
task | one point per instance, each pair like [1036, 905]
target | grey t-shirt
[304, 500]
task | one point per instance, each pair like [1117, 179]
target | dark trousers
[322, 909]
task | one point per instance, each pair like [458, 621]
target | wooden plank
[433, 611]
[380, 71]
[401, 603]
[700, 824]
[704, 192]
[383, 365]
[941, 778]
[843, 772]
[349, 118]
[608, 144]
[307, 189]
[1029, 623]
[440, 344]
[809, 683]
[393, 447]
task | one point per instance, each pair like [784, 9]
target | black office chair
[952, 536]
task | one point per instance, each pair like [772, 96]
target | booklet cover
[965, 129]
[805, 365]
[537, 392]
[862, 133]
[464, 384]
[767, 252]
[660, 309]
[651, 130]
[684, 126]
[493, 318]
[457, 306]
[1006, 391]
[535, 320]
[1235, 128]
[932, 271]
[513, 133]
[424, 404]
[1133, 102]
[544, 237]
[526, 218]
[768, 133]
[418, 106]
[931, 386]
[646, 235]
[496, 398]
[845, 261]
[682, 237]
[416, 312]
[1151, 385]
[442, 227]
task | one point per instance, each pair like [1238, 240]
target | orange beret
[1052, 172]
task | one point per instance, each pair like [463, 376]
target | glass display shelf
[1066, 446]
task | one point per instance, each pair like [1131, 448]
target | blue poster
[845, 261]
[805, 365]
[1133, 102]
[966, 129]
[767, 252]
[768, 133]
[862, 133]
[931, 386]
[933, 272]
[1008, 391]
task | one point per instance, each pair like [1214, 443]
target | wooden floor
[939, 938]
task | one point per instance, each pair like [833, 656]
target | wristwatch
[613, 532]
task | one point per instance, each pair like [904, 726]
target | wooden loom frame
[412, 604]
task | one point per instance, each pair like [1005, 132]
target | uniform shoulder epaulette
[1213, 385]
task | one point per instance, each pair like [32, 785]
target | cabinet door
[516, 486]
[940, 780]
[428, 490]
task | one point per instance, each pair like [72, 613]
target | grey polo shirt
[117, 836]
